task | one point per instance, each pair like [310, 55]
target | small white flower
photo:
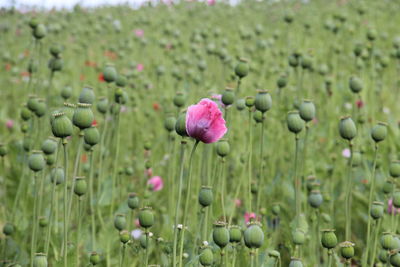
[136, 233]
[205, 243]
[185, 255]
[150, 234]
[180, 226]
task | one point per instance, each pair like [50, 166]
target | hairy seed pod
[146, 217]
[329, 239]
[347, 128]
[220, 234]
[253, 235]
[206, 196]
[294, 122]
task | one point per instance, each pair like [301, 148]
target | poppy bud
[307, 110]
[347, 249]
[315, 199]
[66, 92]
[347, 128]
[43, 222]
[91, 136]
[94, 258]
[8, 229]
[87, 95]
[3, 150]
[143, 241]
[49, 146]
[249, 101]
[56, 64]
[235, 234]
[169, 123]
[133, 201]
[355, 85]
[206, 257]
[80, 186]
[220, 234]
[253, 235]
[57, 174]
[61, 125]
[223, 148]
[379, 132]
[110, 73]
[121, 81]
[282, 81]
[39, 31]
[394, 169]
[294, 262]
[298, 237]
[329, 239]
[146, 217]
[36, 161]
[240, 104]
[120, 96]
[294, 122]
[40, 260]
[206, 196]
[228, 96]
[387, 187]
[179, 100]
[25, 113]
[124, 236]
[263, 101]
[83, 116]
[180, 125]
[242, 68]
[387, 241]
[120, 222]
[377, 210]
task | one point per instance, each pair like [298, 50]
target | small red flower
[359, 103]
[25, 74]
[156, 106]
[94, 123]
[364, 181]
[84, 158]
[101, 78]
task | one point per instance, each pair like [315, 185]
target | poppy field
[260, 134]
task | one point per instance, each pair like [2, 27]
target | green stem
[65, 243]
[250, 148]
[91, 202]
[348, 193]
[78, 232]
[377, 227]
[33, 240]
[146, 259]
[329, 258]
[261, 177]
[297, 183]
[223, 188]
[115, 164]
[234, 256]
[122, 255]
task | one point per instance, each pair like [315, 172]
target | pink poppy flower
[346, 153]
[238, 202]
[248, 216]
[139, 33]
[10, 124]
[156, 183]
[139, 67]
[204, 122]
[359, 103]
[211, 2]
[217, 98]
[390, 207]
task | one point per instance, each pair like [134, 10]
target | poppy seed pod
[43, 222]
[355, 85]
[179, 100]
[396, 199]
[91, 136]
[383, 256]
[294, 122]
[124, 236]
[220, 234]
[169, 123]
[8, 229]
[120, 96]
[206, 196]
[39, 31]
[57, 174]
[69, 110]
[49, 146]
[133, 201]
[56, 64]
[50, 159]
[180, 125]
[25, 113]
[263, 101]
[294, 262]
[387, 241]
[347, 128]
[387, 187]
[146, 217]
[102, 105]
[40, 260]
[3, 150]
[120, 222]
[40, 108]
[315, 199]
[80, 186]
[87, 95]
[357, 159]
[249, 101]
[94, 258]
[32, 103]
[347, 249]
[66, 92]
[235, 234]
[143, 241]
[395, 259]
[121, 81]
[242, 68]
[282, 81]
[110, 73]
[223, 148]
[228, 96]
[206, 257]
[61, 126]
[379, 132]
[240, 104]
[377, 210]
[394, 169]
[258, 116]
[36, 161]
[55, 50]
[328, 238]
[307, 110]
[83, 116]
[298, 237]
[253, 235]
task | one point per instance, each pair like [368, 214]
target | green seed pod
[120, 222]
[87, 95]
[36, 161]
[394, 169]
[124, 236]
[169, 123]
[121, 81]
[371, 34]
[220, 234]
[146, 217]
[180, 126]
[307, 110]
[110, 73]
[294, 262]
[387, 187]
[26, 114]
[294, 122]
[379, 132]
[240, 104]
[133, 201]
[377, 210]
[8, 229]
[387, 241]
[40, 108]
[56, 64]
[57, 175]
[357, 159]
[347, 249]
[395, 259]
[206, 196]
[315, 199]
[3, 150]
[147, 146]
[91, 136]
[40, 260]
[179, 99]
[120, 96]
[223, 148]
[143, 241]
[94, 258]
[49, 145]
[253, 235]
[396, 199]
[43, 222]
[32, 66]
[39, 31]
[293, 61]
[102, 105]
[235, 234]
[329, 239]
[206, 257]
[55, 50]
[355, 85]
[80, 186]
[282, 81]
[383, 256]
[66, 92]
[83, 116]
[32, 103]
[228, 96]
[69, 110]
[347, 128]
[263, 101]
[242, 68]
[33, 22]
[258, 116]
[249, 101]
[61, 125]
[298, 237]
